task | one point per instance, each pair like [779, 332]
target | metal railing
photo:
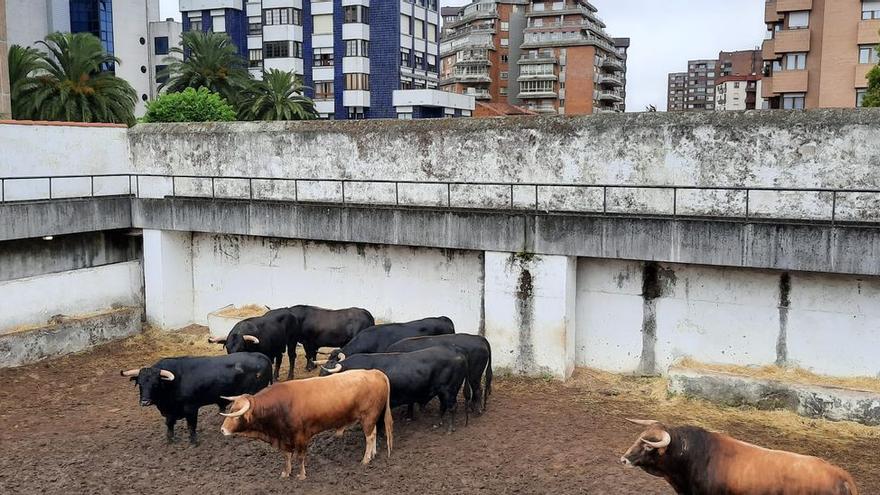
[812, 205]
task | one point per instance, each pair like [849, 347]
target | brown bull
[287, 415]
[698, 462]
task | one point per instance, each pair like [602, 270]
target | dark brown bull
[287, 415]
[698, 462]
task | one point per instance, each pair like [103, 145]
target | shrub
[190, 105]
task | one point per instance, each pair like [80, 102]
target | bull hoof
[301, 477]
[285, 475]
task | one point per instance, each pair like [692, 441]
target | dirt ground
[72, 425]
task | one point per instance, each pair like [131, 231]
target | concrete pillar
[168, 278]
[5, 108]
[530, 313]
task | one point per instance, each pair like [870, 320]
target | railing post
[173, 187]
[2, 190]
[396, 194]
[536, 197]
[251, 188]
[343, 190]
[50, 188]
[448, 195]
[511, 196]
[213, 195]
[295, 191]
[137, 183]
[93, 185]
[747, 204]
[833, 207]
[674, 202]
[129, 186]
[604, 200]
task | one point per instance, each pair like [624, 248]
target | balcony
[610, 80]
[793, 5]
[861, 79]
[768, 50]
[548, 76]
[479, 94]
[474, 14]
[792, 40]
[869, 32]
[612, 96]
[472, 41]
[567, 9]
[538, 58]
[451, 34]
[790, 81]
[770, 13]
[467, 78]
[472, 61]
[537, 94]
[544, 109]
[612, 63]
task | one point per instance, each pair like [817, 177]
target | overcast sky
[665, 35]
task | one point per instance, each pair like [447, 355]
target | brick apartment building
[695, 90]
[818, 52]
[547, 57]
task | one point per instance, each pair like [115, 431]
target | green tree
[71, 83]
[190, 105]
[872, 95]
[278, 96]
[23, 64]
[211, 60]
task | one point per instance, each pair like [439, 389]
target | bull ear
[643, 422]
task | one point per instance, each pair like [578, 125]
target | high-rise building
[121, 25]
[549, 57]
[818, 52]
[164, 35]
[694, 90]
[5, 107]
[738, 93]
[358, 58]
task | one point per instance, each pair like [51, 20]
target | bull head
[251, 339]
[650, 445]
[335, 369]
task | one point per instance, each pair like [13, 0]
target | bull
[315, 327]
[268, 334]
[474, 347]
[377, 338]
[287, 415]
[416, 377]
[698, 462]
[178, 387]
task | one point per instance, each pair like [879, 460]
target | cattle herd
[372, 369]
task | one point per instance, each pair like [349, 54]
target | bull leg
[410, 412]
[448, 404]
[285, 473]
[291, 356]
[340, 431]
[370, 450]
[192, 420]
[301, 453]
[277, 366]
[311, 356]
[170, 421]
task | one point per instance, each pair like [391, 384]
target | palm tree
[23, 63]
[71, 83]
[207, 60]
[278, 96]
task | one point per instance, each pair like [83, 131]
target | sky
[665, 35]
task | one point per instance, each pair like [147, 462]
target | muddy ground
[72, 425]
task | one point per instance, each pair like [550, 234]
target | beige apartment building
[5, 109]
[818, 52]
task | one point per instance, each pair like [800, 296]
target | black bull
[378, 338]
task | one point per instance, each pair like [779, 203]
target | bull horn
[642, 422]
[321, 362]
[238, 413]
[251, 339]
[662, 444]
[216, 340]
[233, 398]
[340, 356]
[335, 369]
[134, 372]
[166, 375]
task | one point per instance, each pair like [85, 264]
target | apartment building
[548, 57]
[694, 90]
[164, 35]
[817, 52]
[122, 26]
[738, 92]
[359, 58]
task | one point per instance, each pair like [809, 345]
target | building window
[799, 19]
[795, 61]
[419, 60]
[359, 82]
[504, 58]
[282, 16]
[355, 14]
[161, 76]
[404, 57]
[432, 32]
[536, 87]
[860, 97]
[195, 25]
[793, 101]
[255, 58]
[404, 24]
[255, 26]
[323, 58]
[505, 26]
[418, 29]
[503, 90]
[357, 48]
[870, 9]
[324, 90]
[505, 41]
[868, 54]
[504, 75]
[282, 49]
[160, 45]
[432, 63]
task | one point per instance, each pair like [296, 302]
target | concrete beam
[32, 219]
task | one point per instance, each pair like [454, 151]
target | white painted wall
[393, 283]
[130, 27]
[62, 150]
[168, 278]
[34, 300]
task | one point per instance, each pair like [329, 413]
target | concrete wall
[641, 317]
[33, 300]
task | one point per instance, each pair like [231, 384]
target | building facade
[694, 90]
[164, 35]
[734, 93]
[5, 106]
[358, 58]
[548, 57]
[122, 26]
[818, 52]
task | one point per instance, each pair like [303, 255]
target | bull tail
[488, 387]
[467, 406]
[389, 421]
[850, 487]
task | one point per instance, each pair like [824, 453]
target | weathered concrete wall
[641, 317]
[168, 278]
[31, 257]
[831, 148]
[27, 220]
[33, 300]
[68, 336]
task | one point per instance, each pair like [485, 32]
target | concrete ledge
[31, 219]
[812, 401]
[68, 336]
